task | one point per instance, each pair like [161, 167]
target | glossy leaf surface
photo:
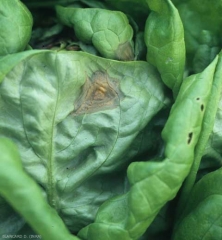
[71, 117]
[164, 38]
[109, 31]
[15, 27]
[202, 23]
[203, 215]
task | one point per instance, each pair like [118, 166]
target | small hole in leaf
[202, 107]
[198, 99]
[190, 136]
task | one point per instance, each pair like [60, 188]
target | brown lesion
[100, 92]
[125, 52]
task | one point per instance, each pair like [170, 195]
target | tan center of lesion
[100, 92]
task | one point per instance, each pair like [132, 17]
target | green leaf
[202, 217]
[109, 31]
[198, 18]
[164, 37]
[210, 107]
[93, 3]
[15, 27]
[26, 231]
[137, 9]
[21, 191]
[70, 114]
[9, 61]
[140, 46]
[49, 3]
[155, 183]
[161, 227]
[206, 51]
[213, 149]
[10, 221]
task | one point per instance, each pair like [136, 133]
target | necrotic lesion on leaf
[100, 92]
[202, 107]
[190, 136]
[125, 52]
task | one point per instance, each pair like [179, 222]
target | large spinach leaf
[71, 116]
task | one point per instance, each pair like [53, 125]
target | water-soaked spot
[100, 92]
[202, 107]
[198, 99]
[190, 136]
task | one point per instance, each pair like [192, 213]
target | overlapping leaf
[202, 216]
[22, 192]
[164, 37]
[15, 27]
[201, 19]
[109, 31]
